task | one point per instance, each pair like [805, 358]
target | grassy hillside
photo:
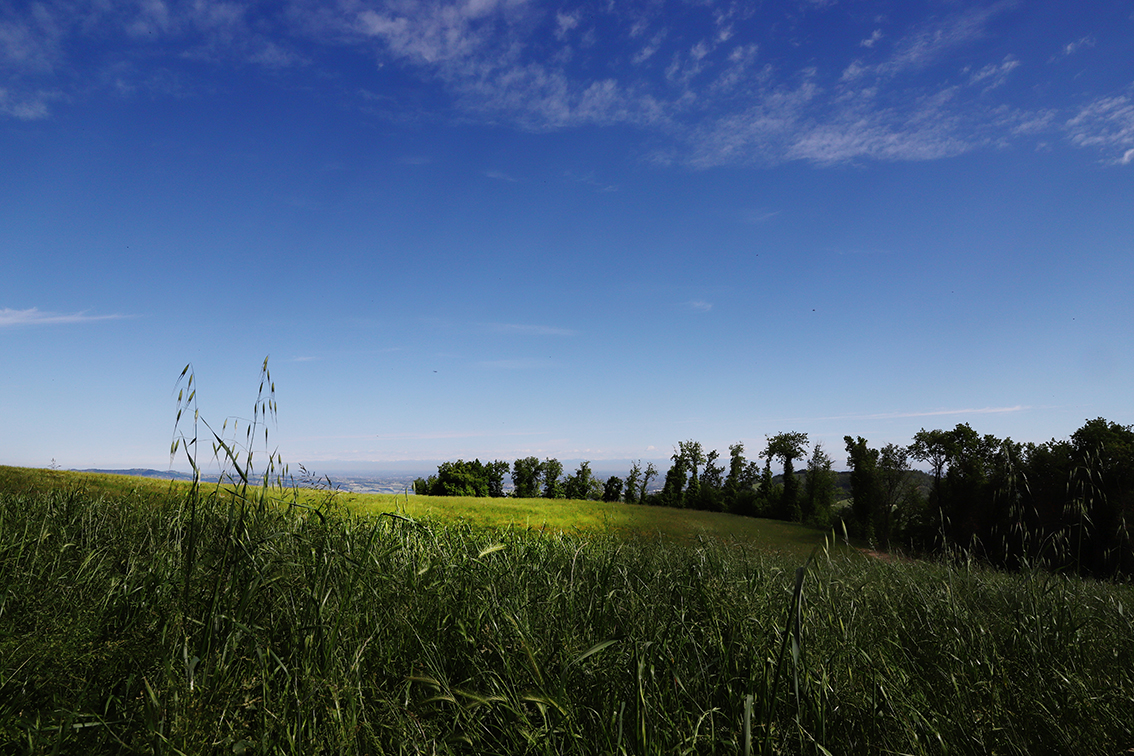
[558, 515]
[136, 620]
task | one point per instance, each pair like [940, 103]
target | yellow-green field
[558, 515]
[594, 517]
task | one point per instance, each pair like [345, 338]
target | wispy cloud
[443, 434]
[995, 74]
[699, 305]
[1075, 46]
[872, 39]
[500, 176]
[930, 413]
[707, 99]
[758, 216]
[34, 316]
[515, 364]
[1106, 123]
[28, 106]
[930, 42]
[591, 181]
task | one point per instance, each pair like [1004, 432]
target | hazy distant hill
[402, 482]
[391, 483]
[160, 474]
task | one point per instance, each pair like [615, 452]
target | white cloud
[31, 107]
[933, 40]
[700, 305]
[994, 74]
[648, 50]
[1073, 47]
[872, 40]
[701, 96]
[439, 32]
[1106, 123]
[564, 23]
[33, 316]
[499, 176]
[31, 43]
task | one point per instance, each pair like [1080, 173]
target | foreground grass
[131, 623]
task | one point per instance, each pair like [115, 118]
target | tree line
[1067, 504]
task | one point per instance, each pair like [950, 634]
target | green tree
[694, 457]
[460, 478]
[578, 486]
[711, 490]
[650, 473]
[526, 474]
[612, 491]
[741, 483]
[673, 492]
[967, 491]
[1102, 504]
[863, 462]
[494, 473]
[551, 470]
[423, 486]
[893, 488]
[787, 447]
[818, 487]
[632, 495]
[932, 447]
[768, 493]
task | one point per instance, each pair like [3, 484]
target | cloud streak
[705, 82]
[930, 413]
[528, 330]
[31, 317]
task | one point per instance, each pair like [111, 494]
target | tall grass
[306, 634]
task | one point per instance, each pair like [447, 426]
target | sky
[509, 228]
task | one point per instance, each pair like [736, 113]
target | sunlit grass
[563, 515]
[556, 515]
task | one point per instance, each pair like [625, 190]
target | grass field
[596, 517]
[525, 514]
[136, 619]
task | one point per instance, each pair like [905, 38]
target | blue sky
[590, 230]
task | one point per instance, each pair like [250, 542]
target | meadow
[148, 617]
